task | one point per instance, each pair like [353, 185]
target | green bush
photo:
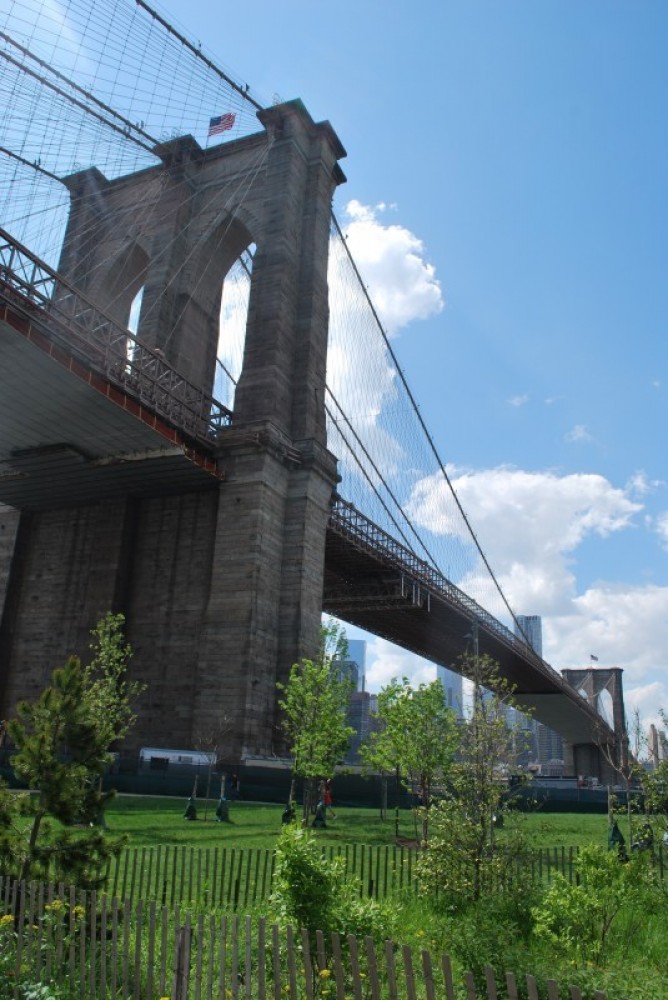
[312, 891]
[578, 919]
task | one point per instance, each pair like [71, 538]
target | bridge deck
[86, 412]
[374, 582]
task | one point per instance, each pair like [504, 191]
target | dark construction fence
[268, 780]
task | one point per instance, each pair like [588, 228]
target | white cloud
[386, 662]
[528, 523]
[624, 626]
[579, 433]
[640, 485]
[519, 400]
[531, 525]
[391, 259]
[661, 528]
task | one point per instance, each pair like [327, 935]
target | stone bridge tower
[221, 586]
[602, 688]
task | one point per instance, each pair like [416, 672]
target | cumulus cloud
[402, 284]
[528, 523]
[531, 525]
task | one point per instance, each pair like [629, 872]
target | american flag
[221, 123]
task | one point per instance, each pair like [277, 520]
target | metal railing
[71, 321]
[364, 534]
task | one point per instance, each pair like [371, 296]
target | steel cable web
[99, 85]
[389, 466]
[86, 85]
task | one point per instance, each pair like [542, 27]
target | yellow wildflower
[325, 973]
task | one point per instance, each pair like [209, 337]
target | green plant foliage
[416, 739]
[577, 919]
[312, 891]
[465, 858]
[19, 983]
[63, 744]
[314, 703]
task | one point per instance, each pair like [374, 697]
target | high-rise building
[657, 745]
[548, 746]
[452, 689]
[357, 653]
[352, 667]
[530, 628]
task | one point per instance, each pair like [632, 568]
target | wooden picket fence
[96, 948]
[238, 878]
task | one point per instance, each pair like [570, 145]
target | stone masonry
[222, 589]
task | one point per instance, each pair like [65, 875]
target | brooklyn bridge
[222, 494]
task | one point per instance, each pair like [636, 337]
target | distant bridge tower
[222, 584]
[602, 688]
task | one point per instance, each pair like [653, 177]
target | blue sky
[518, 151]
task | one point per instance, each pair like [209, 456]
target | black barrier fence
[268, 780]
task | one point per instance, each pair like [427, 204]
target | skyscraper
[548, 745]
[452, 688]
[531, 629]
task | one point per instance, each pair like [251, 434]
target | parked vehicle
[161, 758]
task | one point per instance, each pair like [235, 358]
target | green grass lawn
[150, 821]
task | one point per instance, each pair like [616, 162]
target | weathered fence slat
[308, 966]
[372, 967]
[355, 970]
[292, 967]
[469, 985]
[391, 971]
[532, 988]
[490, 982]
[511, 986]
[261, 958]
[276, 958]
[446, 968]
[409, 973]
[337, 963]
[182, 962]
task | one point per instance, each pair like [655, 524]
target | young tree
[314, 703]
[463, 857]
[63, 742]
[416, 740]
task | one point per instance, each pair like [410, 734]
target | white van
[161, 758]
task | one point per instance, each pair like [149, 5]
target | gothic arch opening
[218, 282]
[118, 290]
[235, 295]
[604, 707]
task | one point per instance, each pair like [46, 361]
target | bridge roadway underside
[67, 436]
[363, 590]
